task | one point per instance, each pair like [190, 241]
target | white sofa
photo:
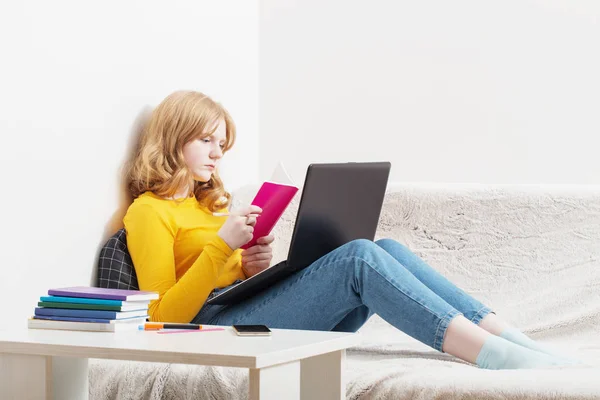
[532, 253]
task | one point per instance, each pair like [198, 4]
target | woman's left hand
[258, 257]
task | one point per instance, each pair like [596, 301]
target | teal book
[84, 300]
[51, 304]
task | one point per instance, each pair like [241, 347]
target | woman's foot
[495, 325]
[516, 336]
[499, 353]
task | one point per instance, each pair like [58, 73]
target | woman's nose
[217, 153]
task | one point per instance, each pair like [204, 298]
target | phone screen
[252, 329]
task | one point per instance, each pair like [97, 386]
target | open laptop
[340, 202]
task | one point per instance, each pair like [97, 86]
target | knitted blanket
[530, 252]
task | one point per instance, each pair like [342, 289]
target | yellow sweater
[176, 252]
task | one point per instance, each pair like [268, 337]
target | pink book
[273, 198]
[102, 293]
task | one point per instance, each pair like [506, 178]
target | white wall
[76, 79]
[449, 91]
[464, 91]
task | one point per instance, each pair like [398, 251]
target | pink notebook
[273, 198]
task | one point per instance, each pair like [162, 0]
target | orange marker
[155, 326]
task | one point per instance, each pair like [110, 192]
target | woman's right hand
[239, 227]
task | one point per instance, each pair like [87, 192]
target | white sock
[499, 353]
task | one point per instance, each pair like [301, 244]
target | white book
[280, 175]
[113, 326]
[142, 307]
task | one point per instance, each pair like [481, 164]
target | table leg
[24, 376]
[322, 377]
[276, 382]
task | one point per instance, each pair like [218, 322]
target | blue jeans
[341, 290]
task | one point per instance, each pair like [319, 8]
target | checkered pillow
[115, 267]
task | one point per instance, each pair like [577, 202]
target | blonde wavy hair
[159, 166]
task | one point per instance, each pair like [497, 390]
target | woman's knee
[360, 246]
[366, 253]
[357, 251]
[390, 245]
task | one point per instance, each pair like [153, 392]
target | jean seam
[448, 317]
[479, 315]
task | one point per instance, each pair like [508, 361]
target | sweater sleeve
[150, 239]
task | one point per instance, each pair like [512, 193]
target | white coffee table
[291, 364]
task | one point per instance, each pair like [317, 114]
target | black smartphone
[252, 330]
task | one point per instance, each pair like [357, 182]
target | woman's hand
[258, 257]
[238, 229]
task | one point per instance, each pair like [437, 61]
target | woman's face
[202, 155]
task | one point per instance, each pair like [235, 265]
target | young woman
[186, 254]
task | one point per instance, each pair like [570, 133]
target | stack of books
[85, 308]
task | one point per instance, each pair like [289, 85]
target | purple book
[102, 293]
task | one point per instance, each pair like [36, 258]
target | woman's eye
[222, 145]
